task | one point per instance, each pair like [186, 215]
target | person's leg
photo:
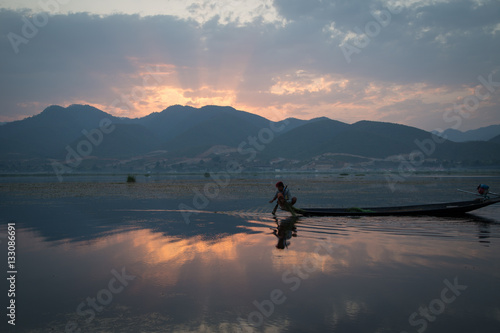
[281, 200]
[294, 200]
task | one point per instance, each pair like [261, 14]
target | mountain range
[184, 137]
[481, 134]
[496, 139]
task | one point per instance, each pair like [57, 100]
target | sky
[432, 64]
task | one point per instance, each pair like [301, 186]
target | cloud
[440, 42]
[275, 59]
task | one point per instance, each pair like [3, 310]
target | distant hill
[372, 139]
[47, 134]
[291, 123]
[496, 139]
[305, 141]
[480, 134]
[177, 119]
[183, 135]
[125, 141]
[228, 129]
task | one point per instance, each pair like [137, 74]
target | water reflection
[285, 230]
[337, 274]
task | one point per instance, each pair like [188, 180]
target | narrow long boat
[437, 209]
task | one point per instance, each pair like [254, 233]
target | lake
[204, 254]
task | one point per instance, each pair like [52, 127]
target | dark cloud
[443, 43]
[84, 57]
[81, 56]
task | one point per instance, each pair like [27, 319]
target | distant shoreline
[342, 172]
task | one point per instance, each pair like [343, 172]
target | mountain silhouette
[496, 139]
[48, 133]
[184, 132]
[480, 134]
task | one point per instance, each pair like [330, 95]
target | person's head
[280, 186]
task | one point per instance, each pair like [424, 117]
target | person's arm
[275, 197]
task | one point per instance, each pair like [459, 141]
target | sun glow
[298, 93]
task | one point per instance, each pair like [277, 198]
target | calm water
[111, 257]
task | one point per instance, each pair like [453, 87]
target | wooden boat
[439, 209]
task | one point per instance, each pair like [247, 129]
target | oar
[274, 210]
[478, 193]
[276, 207]
[290, 208]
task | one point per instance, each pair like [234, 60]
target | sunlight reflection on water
[219, 273]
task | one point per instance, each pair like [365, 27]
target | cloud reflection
[202, 284]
